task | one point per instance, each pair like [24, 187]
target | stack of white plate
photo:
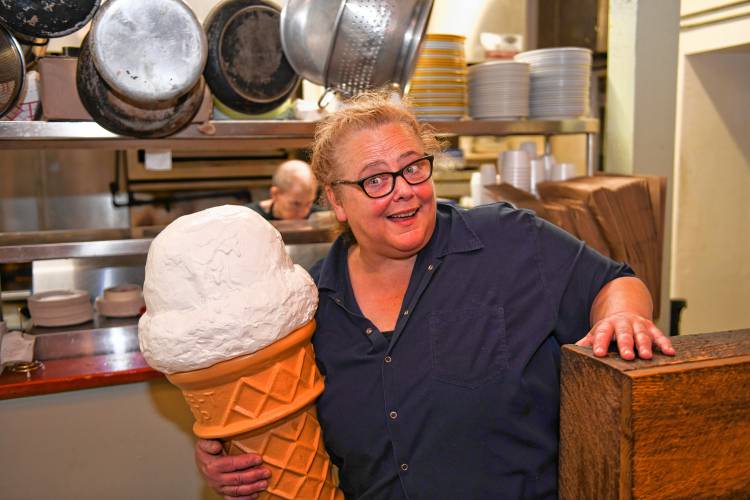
[437, 89]
[60, 308]
[560, 80]
[121, 301]
[499, 90]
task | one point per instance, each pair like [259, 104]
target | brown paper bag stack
[622, 217]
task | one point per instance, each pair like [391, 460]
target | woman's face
[399, 224]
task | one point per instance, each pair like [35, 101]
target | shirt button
[406, 312]
[368, 331]
[404, 467]
[393, 415]
[388, 359]
[430, 268]
[338, 301]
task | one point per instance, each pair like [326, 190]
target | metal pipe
[590, 154]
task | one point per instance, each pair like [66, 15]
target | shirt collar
[452, 235]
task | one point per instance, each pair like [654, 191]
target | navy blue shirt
[462, 402]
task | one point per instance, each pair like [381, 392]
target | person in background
[439, 330]
[293, 193]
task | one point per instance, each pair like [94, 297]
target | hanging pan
[121, 115]
[246, 68]
[148, 50]
[46, 18]
[12, 71]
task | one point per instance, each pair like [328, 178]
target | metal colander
[353, 45]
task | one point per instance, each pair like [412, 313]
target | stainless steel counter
[91, 339]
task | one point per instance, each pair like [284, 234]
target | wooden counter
[85, 372]
[99, 353]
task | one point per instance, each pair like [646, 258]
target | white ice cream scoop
[218, 285]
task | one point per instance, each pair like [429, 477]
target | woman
[439, 330]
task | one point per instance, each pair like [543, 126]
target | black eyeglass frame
[394, 175]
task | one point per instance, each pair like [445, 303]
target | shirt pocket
[469, 345]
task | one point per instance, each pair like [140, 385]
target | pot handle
[326, 97]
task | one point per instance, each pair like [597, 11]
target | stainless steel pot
[118, 114]
[354, 45]
[12, 71]
[148, 50]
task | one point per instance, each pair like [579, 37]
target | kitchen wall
[711, 241]
[472, 17]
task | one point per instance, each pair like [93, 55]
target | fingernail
[627, 352]
[263, 484]
[599, 351]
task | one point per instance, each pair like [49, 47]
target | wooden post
[671, 427]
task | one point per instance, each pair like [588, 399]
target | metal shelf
[249, 134]
[112, 248]
[44, 245]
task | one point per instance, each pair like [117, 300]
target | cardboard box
[60, 101]
[671, 427]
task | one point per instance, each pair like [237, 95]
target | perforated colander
[353, 45]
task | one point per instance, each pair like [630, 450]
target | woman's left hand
[631, 331]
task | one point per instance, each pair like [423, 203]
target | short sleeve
[573, 274]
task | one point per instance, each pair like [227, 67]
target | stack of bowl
[560, 80]
[438, 87]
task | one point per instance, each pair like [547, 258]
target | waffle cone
[264, 403]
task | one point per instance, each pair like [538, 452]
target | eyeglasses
[382, 184]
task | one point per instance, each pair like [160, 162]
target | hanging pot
[122, 116]
[246, 68]
[12, 71]
[46, 18]
[148, 50]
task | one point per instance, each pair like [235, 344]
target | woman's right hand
[236, 476]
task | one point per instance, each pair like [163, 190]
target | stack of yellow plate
[438, 86]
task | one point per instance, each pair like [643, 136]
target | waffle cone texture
[264, 403]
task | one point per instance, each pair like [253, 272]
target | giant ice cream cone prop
[265, 403]
[229, 319]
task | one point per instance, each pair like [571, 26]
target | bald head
[294, 174]
[293, 190]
